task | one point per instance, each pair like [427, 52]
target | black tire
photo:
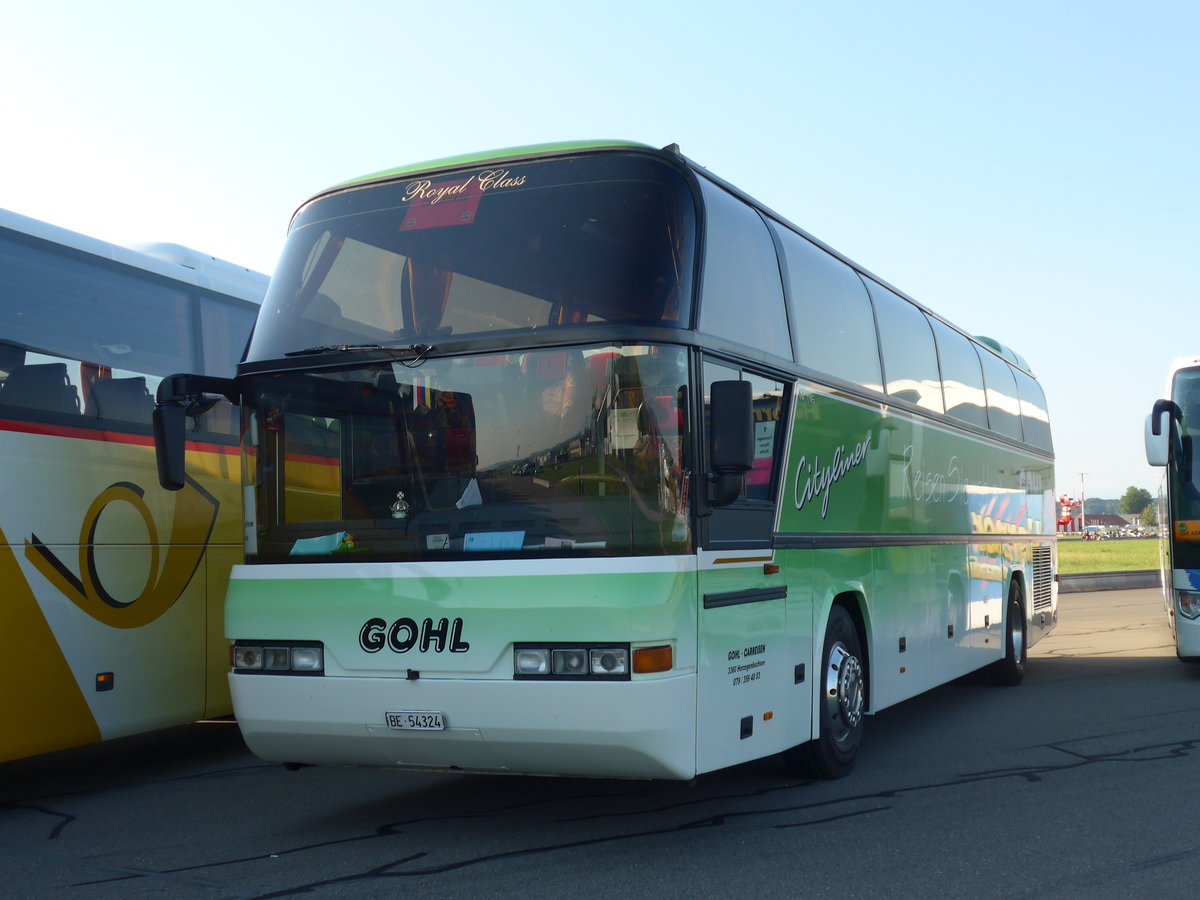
[1010, 670]
[842, 697]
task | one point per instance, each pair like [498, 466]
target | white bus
[112, 587]
[1171, 431]
[575, 460]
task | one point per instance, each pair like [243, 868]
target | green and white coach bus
[1171, 431]
[576, 460]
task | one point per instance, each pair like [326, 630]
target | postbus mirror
[1159, 429]
[179, 396]
[170, 422]
[202, 406]
[731, 446]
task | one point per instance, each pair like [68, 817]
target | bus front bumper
[628, 729]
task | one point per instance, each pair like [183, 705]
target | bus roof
[1006, 352]
[508, 155]
[168, 260]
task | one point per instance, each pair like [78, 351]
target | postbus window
[1034, 417]
[962, 377]
[84, 321]
[223, 330]
[1004, 411]
[36, 383]
[90, 312]
[742, 296]
[910, 362]
[834, 328]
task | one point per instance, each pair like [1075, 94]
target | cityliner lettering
[404, 634]
[820, 480]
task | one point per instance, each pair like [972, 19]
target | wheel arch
[1016, 578]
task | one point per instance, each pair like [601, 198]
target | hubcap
[843, 691]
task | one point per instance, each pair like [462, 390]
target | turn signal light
[647, 660]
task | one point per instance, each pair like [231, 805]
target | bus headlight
[584, 662]
[247, 657]
[1189, 604]
[278, 657]
[531, 662]
[569, 662]
[610, 662]
[308, 659]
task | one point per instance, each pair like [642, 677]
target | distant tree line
[1095, 506]
[1136, 503]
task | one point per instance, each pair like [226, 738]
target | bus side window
[43, 386]
[749, 519]
[1000, 384]
[11, 357]
[833, 321]
[910, 362]
[1034, 417]
[962, 378]
[123, 399]
[742, 295]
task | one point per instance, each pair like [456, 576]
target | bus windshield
[561, 451]
[590, 239]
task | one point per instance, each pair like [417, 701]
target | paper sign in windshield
[494, 540]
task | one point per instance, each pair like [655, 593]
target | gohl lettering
[404, 634]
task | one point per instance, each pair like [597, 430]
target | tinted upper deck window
[501, 249]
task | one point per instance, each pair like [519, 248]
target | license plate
[415, 720]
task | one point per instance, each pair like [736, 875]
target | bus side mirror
[731, 449]
[1159, 429]
[170, 423]
[176, 398]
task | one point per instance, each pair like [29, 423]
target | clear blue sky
[1026, 169]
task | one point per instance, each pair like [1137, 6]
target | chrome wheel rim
[843, 691]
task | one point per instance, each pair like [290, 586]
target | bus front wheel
[1011, 669]
[842, 688]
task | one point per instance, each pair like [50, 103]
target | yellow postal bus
[112, 589]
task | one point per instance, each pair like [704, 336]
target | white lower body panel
[643, 729]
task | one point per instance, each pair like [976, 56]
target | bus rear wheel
[1010, 670]
[843, 688]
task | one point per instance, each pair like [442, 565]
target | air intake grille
[1043, 577]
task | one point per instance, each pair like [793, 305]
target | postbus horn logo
[194, 518]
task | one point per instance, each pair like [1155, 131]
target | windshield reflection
[566, 243]
[576, 450]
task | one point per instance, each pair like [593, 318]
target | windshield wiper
[416, 350]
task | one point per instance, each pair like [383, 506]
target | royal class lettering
[819, 480]
[499, 178]
[405, 634]
[482, 182]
